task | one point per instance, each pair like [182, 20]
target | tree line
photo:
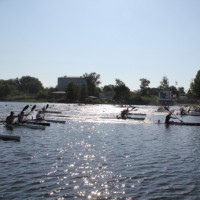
[27, 86]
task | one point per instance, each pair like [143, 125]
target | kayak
[183, 123]
[42, 123]
[143, 114]
[131, 117]
[190, 113]
[51, 111]
[32, 126]
[48, 120]
[55, 121]
[194, 113]
[10, 137]
[135, 118]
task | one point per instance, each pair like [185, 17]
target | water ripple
[99, 159]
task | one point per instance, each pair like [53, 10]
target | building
[165, 97]
[64, 81]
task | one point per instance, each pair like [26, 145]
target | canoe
[31, 126]
[10, 137]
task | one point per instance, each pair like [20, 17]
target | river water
[96, 156]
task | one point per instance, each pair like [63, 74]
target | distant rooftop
[71, 77]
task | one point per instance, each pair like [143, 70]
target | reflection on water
[96, 156]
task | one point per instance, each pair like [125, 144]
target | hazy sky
[123, 39]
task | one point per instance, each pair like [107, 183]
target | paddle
[132, 108]
[32, 109]
[25, 108]
[128, 111]
[47, 106]
[166, 108]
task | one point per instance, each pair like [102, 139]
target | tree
[174, 91]
[164, 84]
[83, 92]
[93, 81]
[72, 92]
[4, 89]
[144, 86]
[30, 85]
[108, 88]
[181, 90]
[9, 87]
[119, 82]
[195, 86]
[122, 92]
[153, 91]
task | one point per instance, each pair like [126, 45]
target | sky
[117, 39]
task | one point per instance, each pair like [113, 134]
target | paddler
[38, 115]
[125, 112]
[10, 118]
[21, 116]
[168, 117]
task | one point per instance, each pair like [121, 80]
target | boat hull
[182, 123]
[55, 121]
[132, 118]
[31, 126]
[137, 114]
[185, 123]
[48, 121]
[42, 123]
[10, 137]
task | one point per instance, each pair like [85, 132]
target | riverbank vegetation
[30, 89]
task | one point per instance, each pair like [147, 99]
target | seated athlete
[10, 118]
[20, 117]
[39, 115]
